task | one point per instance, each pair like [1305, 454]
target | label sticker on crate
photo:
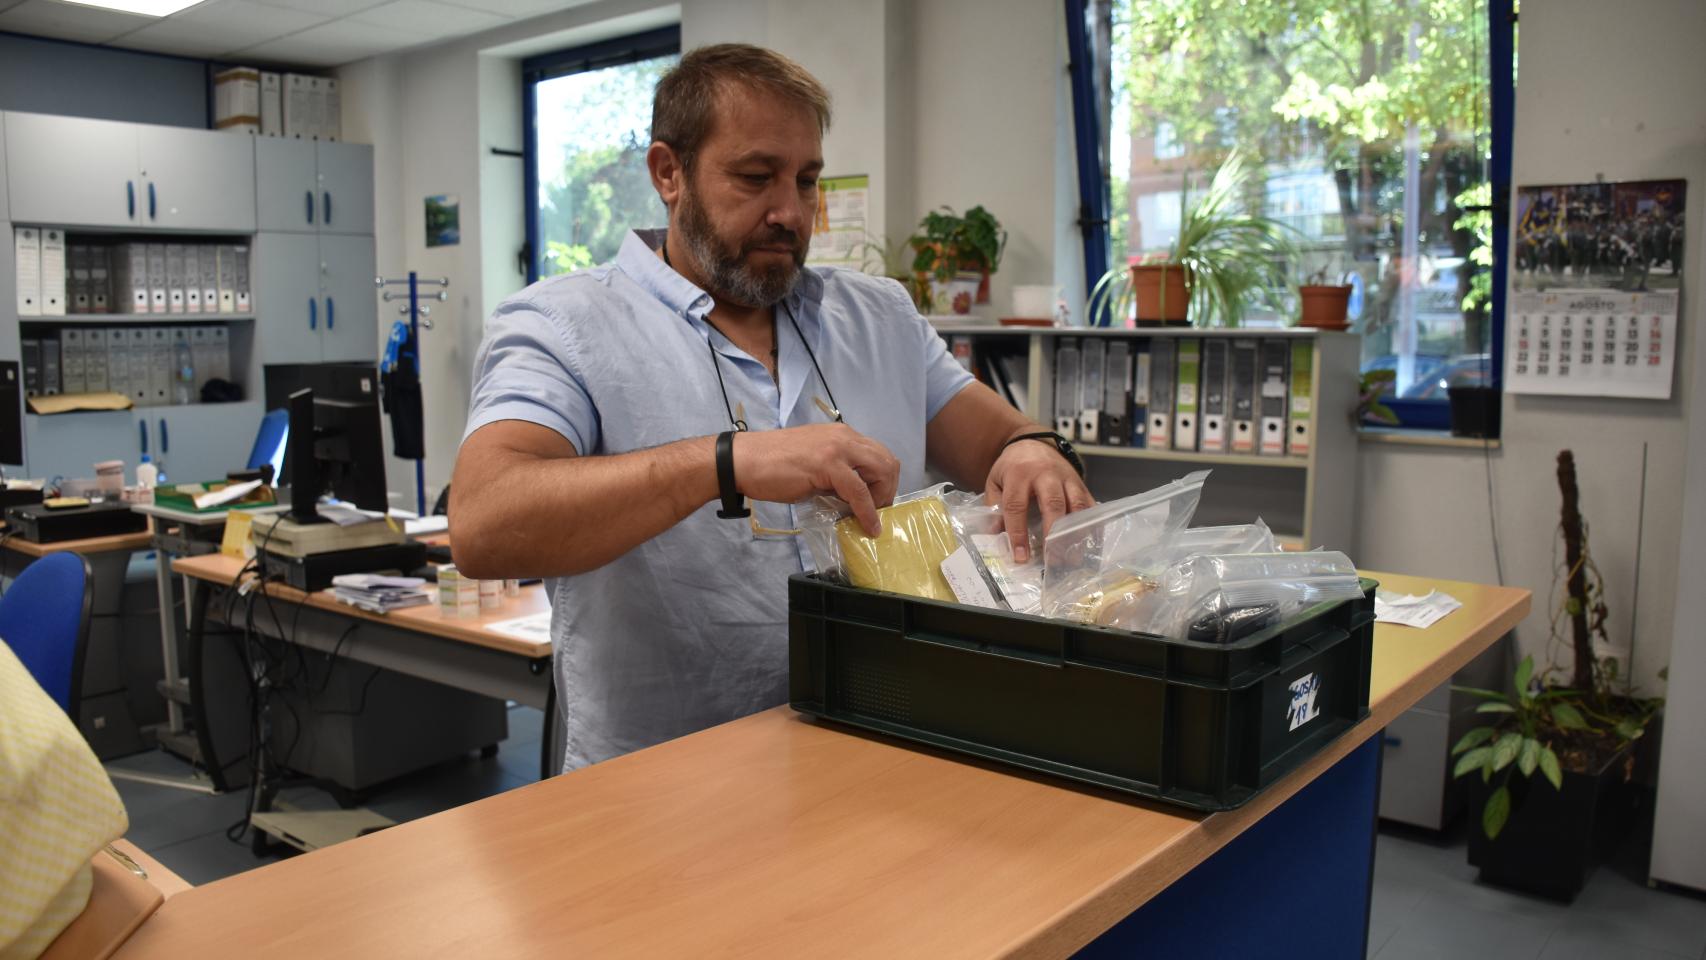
[1303, 708]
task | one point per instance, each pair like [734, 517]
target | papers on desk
[380, 594]
[345, 515]
[422, 526]
[535, 628]
[1413, 611]
[229, 494]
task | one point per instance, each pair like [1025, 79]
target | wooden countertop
[772, 836]
[140, 540]
[218, 568]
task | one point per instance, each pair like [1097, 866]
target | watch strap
[1060, 444]
[734, 507]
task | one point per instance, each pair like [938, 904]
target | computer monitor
[269, 447]
[335, 433]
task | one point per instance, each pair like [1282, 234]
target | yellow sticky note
[236, 542]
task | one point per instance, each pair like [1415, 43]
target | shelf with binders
[1288, 455]
[1001, 363]
[1193, 456]
[119, 319]
[130, 276]
[69, 355]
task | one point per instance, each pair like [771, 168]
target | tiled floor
[186, 830]
[1427, 904]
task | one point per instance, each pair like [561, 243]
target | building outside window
[1369, 127]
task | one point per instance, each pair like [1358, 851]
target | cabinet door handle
[165, 441]
[142, 428]
[313, 314]
[308, 205]
[326, 211]
[330, 318]
[130, 197]
[1392, 741]
[150, 199]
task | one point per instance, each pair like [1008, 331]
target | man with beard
[621, 413]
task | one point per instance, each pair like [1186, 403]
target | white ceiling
[307, 33]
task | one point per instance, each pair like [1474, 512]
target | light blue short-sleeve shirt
[689, 629]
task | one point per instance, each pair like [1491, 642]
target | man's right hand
[788, 465]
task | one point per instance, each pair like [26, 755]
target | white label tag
[961, 574]
[1303, 707]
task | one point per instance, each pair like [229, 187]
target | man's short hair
[685, 102]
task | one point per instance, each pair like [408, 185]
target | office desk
[417, 641]
[180, 533]
[774, 835]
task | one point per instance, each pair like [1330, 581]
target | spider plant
[1233, 258]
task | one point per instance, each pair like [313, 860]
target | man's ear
[668, 175]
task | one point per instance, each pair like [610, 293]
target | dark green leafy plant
[1520, 739]
[1232, 258]
[1587, 722]
[947, 243]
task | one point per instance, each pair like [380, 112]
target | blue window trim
[1501, 62]
[661, 42]
[1093, 181]
[1093, 196]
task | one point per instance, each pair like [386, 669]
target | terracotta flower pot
[1163, 293]
[1325, 307]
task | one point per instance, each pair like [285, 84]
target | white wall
[951, 102]
[1426, 511]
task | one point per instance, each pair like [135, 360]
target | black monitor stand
[306, 483]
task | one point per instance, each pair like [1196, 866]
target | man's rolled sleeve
[944, 378]
[526, 371]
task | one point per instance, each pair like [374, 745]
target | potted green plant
[1542, 836]
[882, 257]
[1322, 303]
[947, 246]
[1223, 259]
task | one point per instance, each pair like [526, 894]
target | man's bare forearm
[518, 513]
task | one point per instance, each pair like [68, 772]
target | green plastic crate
[1200, 725]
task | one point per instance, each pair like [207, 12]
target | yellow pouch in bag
[907, 553]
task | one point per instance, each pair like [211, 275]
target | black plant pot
[1474, 411]
[1553, 837]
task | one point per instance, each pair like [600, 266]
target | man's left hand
[1033, 470]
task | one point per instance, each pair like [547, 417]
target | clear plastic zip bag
[915, 551]
[1101, 561]
[1220, 599]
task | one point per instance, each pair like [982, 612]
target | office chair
[44, 618]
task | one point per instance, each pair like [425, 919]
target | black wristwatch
[1055, 440]
[734, 505]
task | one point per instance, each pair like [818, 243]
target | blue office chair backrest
[44, 618]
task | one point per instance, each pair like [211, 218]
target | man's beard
[728, 275]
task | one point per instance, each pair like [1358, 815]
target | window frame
[661, 42]
[1095, 217]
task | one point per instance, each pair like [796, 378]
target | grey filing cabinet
[68, 444]
[314, 210]
[198, 441]
[316, 298]
[77, 172]
[313, 186]
[1416, 786]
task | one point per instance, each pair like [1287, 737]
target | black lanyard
[740, 424]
